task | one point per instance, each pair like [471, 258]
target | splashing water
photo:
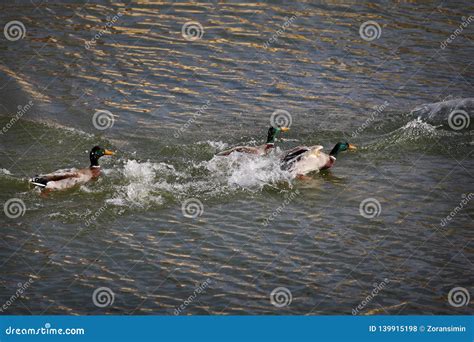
[216, 145]
[148, 183]
[418, 127]
[251, 172]
[139, 190]
[416, 134]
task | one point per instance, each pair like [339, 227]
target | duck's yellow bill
[108, 153]
[352, 147]
[285, 129]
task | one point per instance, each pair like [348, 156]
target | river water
[176, 102]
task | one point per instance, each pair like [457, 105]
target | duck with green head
[260, 150]
[67, 178]
[303, 159]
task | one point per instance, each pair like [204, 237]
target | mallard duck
[302, 159]
[67, 178]
[258, 150]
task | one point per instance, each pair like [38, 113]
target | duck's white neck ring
[334, 158]
[95, 166]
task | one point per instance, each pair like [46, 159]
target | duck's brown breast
[95, 172]
[329, 164]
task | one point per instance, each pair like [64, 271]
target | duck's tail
[38, 181]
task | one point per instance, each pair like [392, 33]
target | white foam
[56, 215]
[247, 171]
[216, 145]
[139, 187]
[86, 189]
[418, 125]
[145, 183]
[117, 201]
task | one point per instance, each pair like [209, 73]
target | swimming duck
[303, 159]
[67, 178]
[258, 150]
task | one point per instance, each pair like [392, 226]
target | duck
[68, 178]
[261, 150]
[302, 160]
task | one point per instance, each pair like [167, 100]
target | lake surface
[176, 102]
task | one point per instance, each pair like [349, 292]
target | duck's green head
[273, 133]
[98, 152]
[340, 147]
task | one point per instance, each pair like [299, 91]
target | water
[176, 103]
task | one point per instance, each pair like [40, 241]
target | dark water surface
[176, 102]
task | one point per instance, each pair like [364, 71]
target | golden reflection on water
[153, 80]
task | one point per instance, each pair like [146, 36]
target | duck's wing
[241, 149]
[305, 160]
[42, 180]
[316, 149]
[292, 156]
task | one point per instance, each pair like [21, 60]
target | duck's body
[303, 159]
[68, 178]
[258, 150]
[261, 149]
[64, 179]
